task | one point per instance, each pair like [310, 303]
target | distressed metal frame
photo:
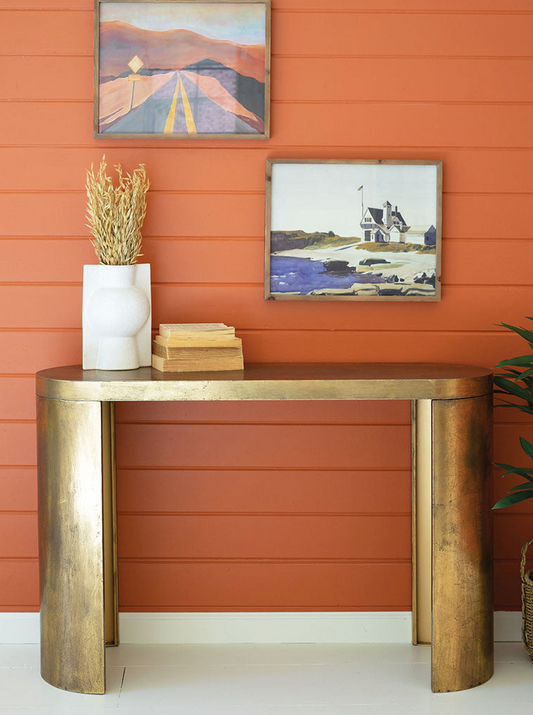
[452, 538]
[268, 212]
[141, 135]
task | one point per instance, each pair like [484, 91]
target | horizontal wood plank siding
[289, 506]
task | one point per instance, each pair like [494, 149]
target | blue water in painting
[302, 275]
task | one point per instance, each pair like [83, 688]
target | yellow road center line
[189, 119]
[169, 126]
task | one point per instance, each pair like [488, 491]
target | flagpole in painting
[135, 65]
[362, 206]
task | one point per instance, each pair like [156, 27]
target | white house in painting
[384, 225]
[387, 225]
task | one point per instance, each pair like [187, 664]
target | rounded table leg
[462, 634]
[71, 544]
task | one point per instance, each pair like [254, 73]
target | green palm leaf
[512, 388]
[523, 375]
[511, 470]
[514, 498]
[526, 334]
[527, 447]
[522, 360]
[520, 486]
[522, 408]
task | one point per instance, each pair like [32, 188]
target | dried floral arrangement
[116, 213]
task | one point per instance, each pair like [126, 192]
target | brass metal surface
[70, 545]
[421, 514]
[278, 381]
[462, 637]
[77, 500]
[109, 490]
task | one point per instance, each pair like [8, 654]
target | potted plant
[116, 292]
[516, 381]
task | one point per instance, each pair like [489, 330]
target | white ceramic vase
[116, 317]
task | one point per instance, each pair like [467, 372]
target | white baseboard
[507, 626]
[317, 627]
[19, 628]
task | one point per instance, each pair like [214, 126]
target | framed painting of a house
[184, 69]
[353, 230]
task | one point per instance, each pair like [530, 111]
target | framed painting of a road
[353, 230]
[184, 69]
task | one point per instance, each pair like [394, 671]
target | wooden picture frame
[317, 258]
[228, 89]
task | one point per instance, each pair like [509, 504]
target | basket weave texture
[527, 601]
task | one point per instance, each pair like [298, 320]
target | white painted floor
[267, 680]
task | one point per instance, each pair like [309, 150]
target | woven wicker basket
[527, 601]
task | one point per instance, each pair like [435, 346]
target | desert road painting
[182, 68]
[353, 230]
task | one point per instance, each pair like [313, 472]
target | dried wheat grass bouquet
[116, 213]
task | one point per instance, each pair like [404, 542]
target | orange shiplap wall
[268, 506]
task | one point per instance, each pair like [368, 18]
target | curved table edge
[233, 386]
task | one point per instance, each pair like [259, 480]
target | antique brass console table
[452, 538]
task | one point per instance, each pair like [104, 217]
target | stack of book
[195, 347]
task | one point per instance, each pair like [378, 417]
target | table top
[275, 381]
